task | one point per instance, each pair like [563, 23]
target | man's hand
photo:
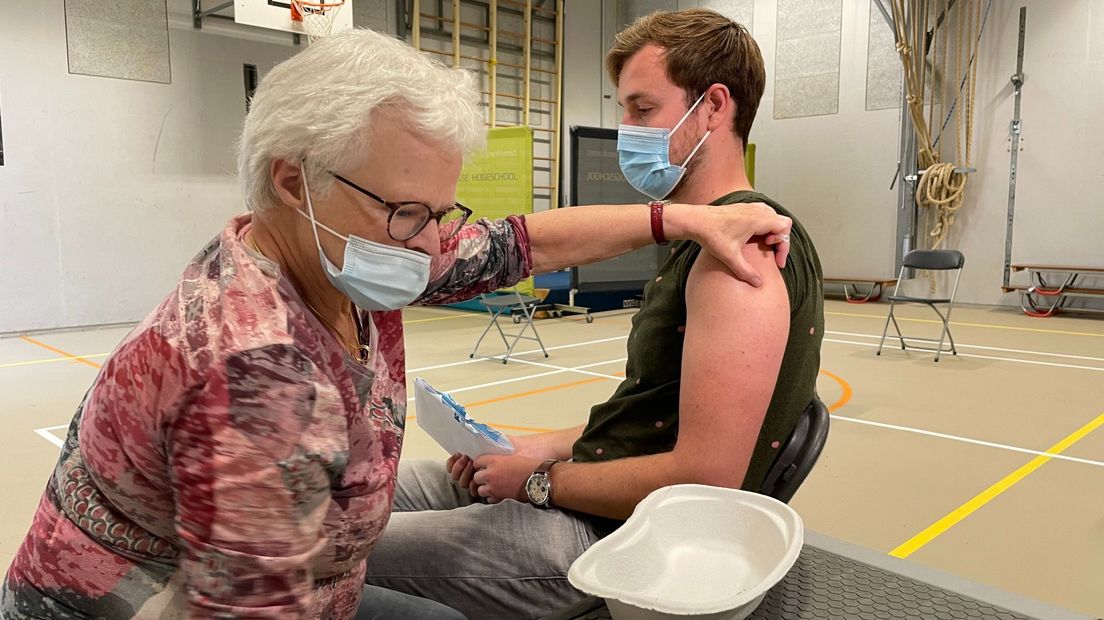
[499, 477]
[497, 484]
[537, 447]
[724, 230]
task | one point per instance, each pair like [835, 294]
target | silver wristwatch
[539, 485]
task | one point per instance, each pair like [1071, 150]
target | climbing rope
[940, 190]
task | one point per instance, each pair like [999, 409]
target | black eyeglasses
[407, 219]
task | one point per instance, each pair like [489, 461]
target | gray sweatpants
[495, 561]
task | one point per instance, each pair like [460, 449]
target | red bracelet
[657, 220]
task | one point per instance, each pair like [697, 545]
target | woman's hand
[723, 230]
[461, 470]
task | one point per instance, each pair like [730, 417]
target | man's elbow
[712, 472]
[732, 479]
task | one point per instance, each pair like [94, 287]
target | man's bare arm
[735, 339]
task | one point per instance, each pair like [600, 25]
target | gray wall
[1059, 216]
[110, 185]
[834, 170]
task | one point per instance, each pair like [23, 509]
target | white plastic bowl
[691, 550]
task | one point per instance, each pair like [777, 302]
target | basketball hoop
[317, 17]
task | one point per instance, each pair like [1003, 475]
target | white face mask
[374, 276]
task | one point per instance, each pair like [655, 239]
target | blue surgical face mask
[644, 154]
[374, 276]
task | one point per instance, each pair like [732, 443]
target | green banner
[498, 181]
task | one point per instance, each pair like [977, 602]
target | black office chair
[798, 454]
[790, 468]
[931, 260]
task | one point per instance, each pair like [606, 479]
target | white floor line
[946, 355]
[559, 371]
[484, 359]
[577, 369]
[891, 336]
[978, 442]
[50, 437]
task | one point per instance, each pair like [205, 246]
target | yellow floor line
[49, 360]
[934, 530]
[65, 355]
[956, 323]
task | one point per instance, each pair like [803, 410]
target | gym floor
[988, 465]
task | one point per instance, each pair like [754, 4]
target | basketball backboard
[276, 15]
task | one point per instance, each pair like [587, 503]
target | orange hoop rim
[324, 6]
[321, 5]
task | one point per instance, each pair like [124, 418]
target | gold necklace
[361, 352]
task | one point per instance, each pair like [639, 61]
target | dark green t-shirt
[642, 416]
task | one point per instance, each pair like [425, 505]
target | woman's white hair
[319, 105]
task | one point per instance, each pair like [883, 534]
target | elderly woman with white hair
[236, 456]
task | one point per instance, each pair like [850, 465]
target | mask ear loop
[315, 224]
[679, 124]
[687, 115]
[700, 143]
[373, 334]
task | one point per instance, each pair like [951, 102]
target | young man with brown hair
[718, 371]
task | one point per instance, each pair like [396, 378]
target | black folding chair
[521, 309]
[930, 260]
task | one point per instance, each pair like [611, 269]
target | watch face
[537, 489]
